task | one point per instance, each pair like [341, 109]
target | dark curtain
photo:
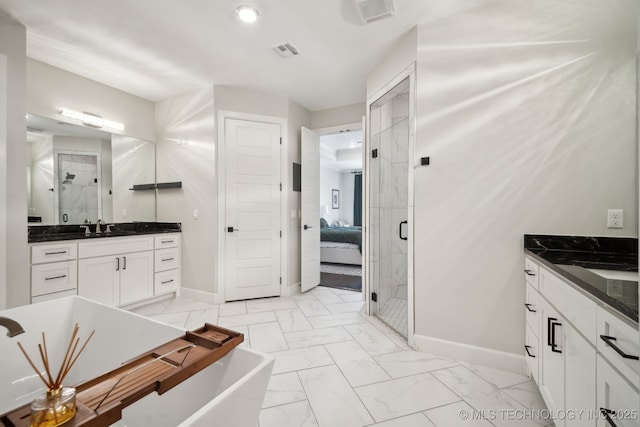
[357, 200]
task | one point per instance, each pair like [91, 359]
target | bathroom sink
[616, 274]
[229, 392]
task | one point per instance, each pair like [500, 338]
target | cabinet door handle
[167, 259]
[55, 277]
[117, 264]
[606, 413]
[124, 261]
[55, 253]
[530, 309]
[609, 340]
[526, 348]
[552, 322]
[529, 272]
[166, 281]
[166, 241]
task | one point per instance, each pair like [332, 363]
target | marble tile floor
[337, 367]
[394, 313]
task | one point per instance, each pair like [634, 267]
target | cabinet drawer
[167, 281]
[169, 240]
[49, 297]
[625, 337]
[114, 246]
[53, 277]
[531, 272]
[579, 310]
[617, 395]
[532, 307]
[532, 353]
[52, 253]
[167, 259]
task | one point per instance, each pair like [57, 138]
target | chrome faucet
[12, 326]
[98, 224]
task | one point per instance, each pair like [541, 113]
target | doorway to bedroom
[341, 210]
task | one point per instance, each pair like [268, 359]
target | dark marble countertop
[572, 256]
[53, 233]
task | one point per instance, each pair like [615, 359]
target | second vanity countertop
[572, 256]
[52, 233]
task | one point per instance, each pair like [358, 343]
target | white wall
[4, 131]
[14, 271]
[42, 199]
[346, 195]
[395, 61]
[338, 116]
[329, 180]
[249, 101]
[190, 116]
[527, 111]
[134, 160]
[49, 89]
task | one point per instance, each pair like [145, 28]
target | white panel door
[99, 279]
[310, 203]
[136, 277]
[252, 209]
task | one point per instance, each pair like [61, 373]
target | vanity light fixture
[92, 120]
[248, 14]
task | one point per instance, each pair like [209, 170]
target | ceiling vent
[285, 50]
[34, 130]
[375, 10]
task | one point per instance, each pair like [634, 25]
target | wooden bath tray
[100, 401]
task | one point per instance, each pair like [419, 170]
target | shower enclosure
[79, 199]
[390, 204]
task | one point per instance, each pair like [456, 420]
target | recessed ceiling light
[247, 14]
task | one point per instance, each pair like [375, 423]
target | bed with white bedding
[341, 245]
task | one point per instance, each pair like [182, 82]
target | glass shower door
[78, 200]
[388, 207]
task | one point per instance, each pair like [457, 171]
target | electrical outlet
[615, 218]
[195, 214]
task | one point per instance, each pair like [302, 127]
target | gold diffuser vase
[53, 408]
[58, 404]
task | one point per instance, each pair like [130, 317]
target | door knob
[307, 226]
[231, 229]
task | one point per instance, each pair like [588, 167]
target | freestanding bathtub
[228, 393]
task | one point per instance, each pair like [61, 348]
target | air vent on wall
[375, 10]
[285, 50]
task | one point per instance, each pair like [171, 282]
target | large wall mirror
[78, 174]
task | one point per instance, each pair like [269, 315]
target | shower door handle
[400, 230]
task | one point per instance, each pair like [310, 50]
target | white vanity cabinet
[167, 264]
[571, 367]
[116, 271]
[532, 330]
[53, 270]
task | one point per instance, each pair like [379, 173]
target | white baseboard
[208, 297]
[288, 291]
[475, 355]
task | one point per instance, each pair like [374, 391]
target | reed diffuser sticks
[68, 361]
